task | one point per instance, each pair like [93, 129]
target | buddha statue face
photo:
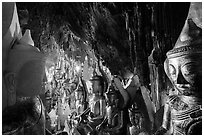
[97, 85]
[185, 73]
[184, 62]
[112, 99]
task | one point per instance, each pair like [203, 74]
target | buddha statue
[183, 66]
[23, 76]
[97, 103]
[113, 122]
[79, 96]
[95, 113]
[11, 32]
[137, 121]
[97, 99]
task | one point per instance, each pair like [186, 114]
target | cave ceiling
[122, 34]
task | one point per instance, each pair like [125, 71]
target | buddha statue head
[183, 65]
[97, 84]
[136, 117]
[25, 70]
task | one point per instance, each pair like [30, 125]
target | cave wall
[128, 35]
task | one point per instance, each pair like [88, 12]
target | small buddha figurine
[113, 121]
[183, 66]
[137, 120]
[79, 96]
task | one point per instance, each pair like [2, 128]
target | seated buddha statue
[114, 120]
[97, 99]
[95, 113]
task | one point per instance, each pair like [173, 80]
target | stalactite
[130, 41]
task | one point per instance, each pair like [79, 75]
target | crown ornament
[190, 39]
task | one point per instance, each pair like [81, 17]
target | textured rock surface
[123, 33]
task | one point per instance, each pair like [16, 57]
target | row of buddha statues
[106, 114]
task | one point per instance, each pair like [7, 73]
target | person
[23, 74]
[183, 110]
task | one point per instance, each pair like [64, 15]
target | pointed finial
[190, 39]
[27, 39]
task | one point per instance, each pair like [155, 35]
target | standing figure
[183, 66]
